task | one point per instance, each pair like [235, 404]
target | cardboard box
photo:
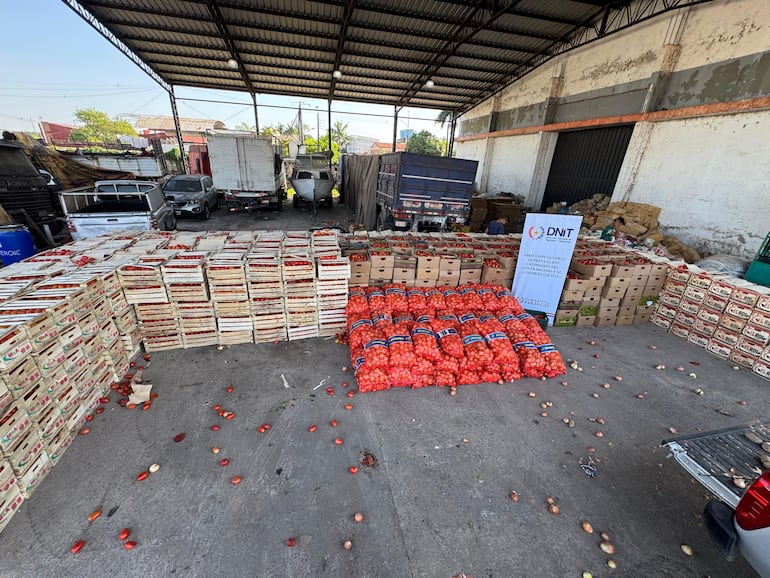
[607, 311]
[425, 282]
[429, 262]
[666, 311]
[686, 319]
[698, 339]
[638, 281]
[726, 336]
[656, 281]
[748, 345]
[732, 323]
[651, 290]
[605, 302]
[760, 318]
[662, 322]
[450, 263]
[624, 320]
[715, 302]
[695, 294]
[572, 295]
[381, 274]
[700, 280]
[359, 279]
[427, 274]
[617, 283]
[401, 275]
[628, 311]
[623, 271]
[605, 320]
[739, 310]
[593, 291]
[642, 317]
[613, 293]
[675, 287]
[588, 311]
[564, 320]
[470, 276]
[757, 332]
[744, 295]
[762, 369]
[704, 327]
[600, 270]
[496, 276]
[721, 288]
[451, 278]
[585, 320]
[742, 359]
[382, 261]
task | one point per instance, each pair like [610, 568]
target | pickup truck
[111, 206]
[734, 465]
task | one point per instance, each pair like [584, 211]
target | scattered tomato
[94, 515]
[77, 546]
[224, 462]
[229, 389]
[124, 533]
[333, 423]
[353, 469]
[179, 437]
[214, 428]
[291, 542]
[348, 406]
[312, 428]
[338, 441]
[235, 480]
[142, 476]
[130, 545]
[84, 431]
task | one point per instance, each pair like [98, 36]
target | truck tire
[385, 220]
[172, 223]
[295, 201]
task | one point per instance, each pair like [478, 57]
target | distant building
[360, 145]
[56, 133]
[193, 129]
[380, 148]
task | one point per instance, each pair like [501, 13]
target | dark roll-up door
[586, 162]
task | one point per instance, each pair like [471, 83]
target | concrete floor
[435, 505]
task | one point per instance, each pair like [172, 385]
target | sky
[52, 63]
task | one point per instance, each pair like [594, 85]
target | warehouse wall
[702, 71]
[715, 197]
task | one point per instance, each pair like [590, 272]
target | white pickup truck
[111, 206]
[734, 464]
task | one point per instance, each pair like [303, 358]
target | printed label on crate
[766, 354]
[715, 302]
[698, 339]
[663, 322]
[695, 294]
[700, 280]
[675, 287]
[670, 299]
[719, 349]
[688, 306]
[732, 323]
[761, 368]
[743, 359]
[679, 330]
[763, 303]
[666, 311]
[748, 345]
[704, 327]
[679, 275]
[721, 288]
[739, 310]
[757, 332]
[686, 319]
[727, 336]
[745, 296]
[709, 315]
[760, 318]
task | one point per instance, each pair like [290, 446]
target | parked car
[117, 205]
[192, 195]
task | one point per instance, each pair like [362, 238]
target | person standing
[497, 227]
[610, 232]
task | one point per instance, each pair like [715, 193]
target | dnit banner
[546, 249]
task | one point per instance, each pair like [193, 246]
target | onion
[347, 544]
[215, 450]
[154, 468]
[686, 549]
[587, 527]
[514, 496]
[358, 517]
[554, 509]
[607, 547]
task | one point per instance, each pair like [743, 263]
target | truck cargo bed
[714, 458]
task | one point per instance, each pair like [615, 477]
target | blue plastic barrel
[15, 243]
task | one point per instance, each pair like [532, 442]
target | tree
[340, 134]
[443, 117]
[98, 127]
[424, 143]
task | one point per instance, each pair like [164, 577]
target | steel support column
[329, 119]
[256, 113]
[396, 110]
[175, 114]
[451, 144]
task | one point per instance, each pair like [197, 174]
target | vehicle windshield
[183, 186]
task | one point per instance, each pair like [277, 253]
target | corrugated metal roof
[385, 49]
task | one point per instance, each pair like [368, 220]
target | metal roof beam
[524, 14]
[113, 39]
[350, 7]
[225, 32]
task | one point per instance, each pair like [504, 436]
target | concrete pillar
[545, 150]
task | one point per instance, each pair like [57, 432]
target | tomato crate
[5, 396]
[162, 343]
[200, 338]
[739, 310]
[50, 421]
[270, 334]
[297, 304]
[235, 337]
[89, 325]
[30, 481]
[263, 268]
[268, 320]
[36, 400]
[762, 369]
[266, 305]
[118, 302]
[74, 362]
[302, 332]
[264, 289]
[7, 477]
[102, 310]
[338, 268]
[26, 451]
[184, 268]
[58, 444]
[23, 376]
[750, 346]
[760, 318]
[71, 337]
[60, 309]
[230, 292]
[10, 501]
[124, 322]
[719, 349]
[180, 292]
[14, 345]
[238, 324]
[92, 347]
[68, 401]
[50, 357]
[76, 419]
[757, 332]
[333, 286]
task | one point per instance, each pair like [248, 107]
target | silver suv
[192, 195]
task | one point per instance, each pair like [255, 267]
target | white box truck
[247, 169]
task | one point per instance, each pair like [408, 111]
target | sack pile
[476, 333]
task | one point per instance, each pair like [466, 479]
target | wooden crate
[50, 422]
[199, 338]
[58, 444]
[268, 320]
[10, 501]
[302, 332]
[13, 423]
[267, 335]
[258, 289]
[29, 482]
[181, 292]
[336, 268]
[266, 305]
[235, 337]
[26, 451]
[14, 345]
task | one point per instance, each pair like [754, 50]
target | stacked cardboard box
[727, 316]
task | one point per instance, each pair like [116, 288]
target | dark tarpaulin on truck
[360, 182]
[68, 173]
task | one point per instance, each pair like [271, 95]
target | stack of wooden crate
[226, 276]
[187, 289]
[266, 296]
